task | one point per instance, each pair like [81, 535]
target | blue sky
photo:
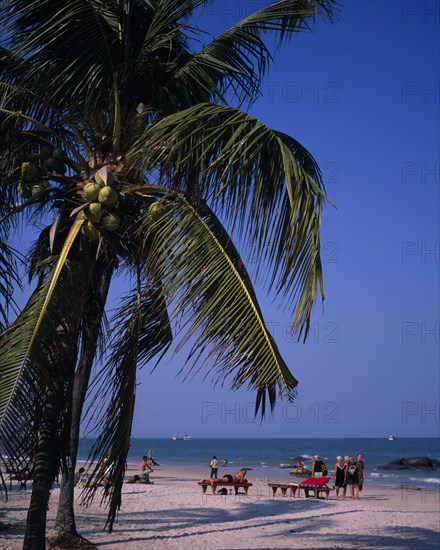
[363, 96]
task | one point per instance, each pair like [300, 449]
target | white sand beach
[174, 514]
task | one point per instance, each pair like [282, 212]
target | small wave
[426, 479]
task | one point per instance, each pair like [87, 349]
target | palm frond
[16, 342]
[87, 32]
[264, 183]
[141, 332]
[213, 301]
[237, 59]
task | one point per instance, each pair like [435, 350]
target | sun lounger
[283, 487]
[317, 485]
[244, 484]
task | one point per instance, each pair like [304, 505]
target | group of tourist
[349, 472]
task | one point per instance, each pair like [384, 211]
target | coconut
[46, 151]
[58, 154]
[91, 190]
[37, 188]
[156, 211]
[60, 168]
[111, 222]
[51, 164]
[29, 171]
[101, 182]
[108, 196]
[25, 190]
[90, 231]
[93, 212]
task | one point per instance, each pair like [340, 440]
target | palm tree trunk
[43, 473]
[67, 320]
[65, 521]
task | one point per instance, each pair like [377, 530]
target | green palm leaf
[213, 302]
[238, 58]
[142, 332]
[17, 341]
[264, 183]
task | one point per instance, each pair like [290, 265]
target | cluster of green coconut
[50, 159]
[103, 198]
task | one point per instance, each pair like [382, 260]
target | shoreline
[173, 513]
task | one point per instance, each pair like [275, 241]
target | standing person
[352, 477]
[318, 467]
[362, 473]
[339, 475]
[214, 467]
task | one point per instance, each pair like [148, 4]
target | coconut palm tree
[119, 150]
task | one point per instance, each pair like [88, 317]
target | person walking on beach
[339, 475]
[362, 473]
[214, 467]
[352, 477]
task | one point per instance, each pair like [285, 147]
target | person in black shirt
[318, 467]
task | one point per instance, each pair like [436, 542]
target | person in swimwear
[236, 477]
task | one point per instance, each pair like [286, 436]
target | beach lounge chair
[317, 485]
[244, 484]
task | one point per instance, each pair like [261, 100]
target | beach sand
[174, 514]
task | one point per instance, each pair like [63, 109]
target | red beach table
[317, 485]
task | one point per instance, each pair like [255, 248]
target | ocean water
[273, 458]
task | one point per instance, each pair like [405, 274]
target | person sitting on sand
[300, 467]
[237, 477]
[142, 466]
[225, 463]
[151, 459]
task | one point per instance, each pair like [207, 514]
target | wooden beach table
[284, 487]
[244, 484]
[317, 485]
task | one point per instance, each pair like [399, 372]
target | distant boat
[177, 437]
[392, 437]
